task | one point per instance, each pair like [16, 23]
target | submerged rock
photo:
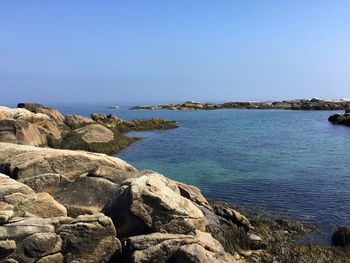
[340, 119]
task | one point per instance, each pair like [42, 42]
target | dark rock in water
[347, 111]
[341, 237]
[340, 119]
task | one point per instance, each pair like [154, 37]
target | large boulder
[89, 239]
[24, 161]
[77, 121]
[38, 108]
[152, 203]
[162, 248]
[17, 199]
[35, 228]
[95, 133]
[60, 239]
[86, 195]
[24, 127]
[341, 237]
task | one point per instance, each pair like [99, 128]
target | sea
[292, 164]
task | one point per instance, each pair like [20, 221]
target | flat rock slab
[95, 133]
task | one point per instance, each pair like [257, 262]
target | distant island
[297, 104]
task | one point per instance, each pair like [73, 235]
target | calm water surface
[290, 162]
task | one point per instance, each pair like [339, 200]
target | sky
[170, 51]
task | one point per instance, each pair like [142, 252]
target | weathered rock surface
[17, 199]
[35, 228]
[24, 161]
[95, 133]
[77, 121]
[24, 127]
[38, 108]
[152, 203]
[86, 195]
[162, 248]
[60, 239]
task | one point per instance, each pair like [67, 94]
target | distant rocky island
[64, 205]
[298, 104]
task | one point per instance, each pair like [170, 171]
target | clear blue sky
[162, 51]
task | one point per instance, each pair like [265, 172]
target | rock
[193, 193]
[230, 214]
[18, 200]
[58, 239]
[7, 247]
[95, 133]
[89, 239]
[341, 237]
[162, 248]
[77, 121]
[49, 182]
[38, 108]
[55, 258]
[152, 203]
[42, 244]
[6, 212]
[340, 119]
[43, 205]
[86, 195]
[115, 175]
[25, 162]
[299, 104]
[24, 127]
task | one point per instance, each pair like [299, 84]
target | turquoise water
[294, 163]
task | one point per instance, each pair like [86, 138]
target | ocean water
[291, 163]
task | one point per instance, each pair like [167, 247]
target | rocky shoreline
[37, 125]
[298, 104]
[59, 205]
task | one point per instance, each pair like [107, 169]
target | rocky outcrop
[60, 239]
[18, 199]
[77, 121]
[340, 119]
[38, 108]
[95, 133]
[299, 104]
[163, 248]
[38, 125]
[24, 127]
[74, 178]
[35, 228]
[152, 203]
[25, 161]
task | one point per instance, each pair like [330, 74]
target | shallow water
[291, 162]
